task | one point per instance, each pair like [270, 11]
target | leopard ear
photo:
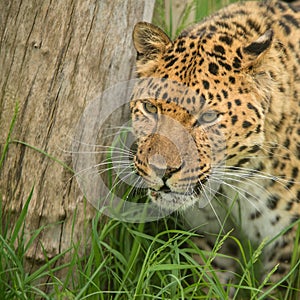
[149, 41]
[258, 48]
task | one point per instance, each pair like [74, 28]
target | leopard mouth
[195, 190]
[177, 200]
[200, 194]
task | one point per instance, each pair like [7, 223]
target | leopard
[216, 116]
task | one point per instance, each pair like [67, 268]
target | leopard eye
[208, 117]
[150, 108]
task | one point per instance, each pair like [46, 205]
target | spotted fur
[217, 111]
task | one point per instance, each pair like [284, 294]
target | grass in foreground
[129, 261]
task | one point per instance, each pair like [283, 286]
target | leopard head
[197, 110]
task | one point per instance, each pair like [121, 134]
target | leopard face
[183, 141]
[206, 109]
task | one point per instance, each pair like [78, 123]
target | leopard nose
[159, 165]
[164, 174]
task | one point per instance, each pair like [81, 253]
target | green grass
[198, 9]
[128, 261]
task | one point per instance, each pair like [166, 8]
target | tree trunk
[55, 57]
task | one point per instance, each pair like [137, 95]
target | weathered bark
[55, 56]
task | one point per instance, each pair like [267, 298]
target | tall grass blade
[11, 127]
[21, 220]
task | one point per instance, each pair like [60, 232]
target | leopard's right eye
[208, 117]
[150, 108]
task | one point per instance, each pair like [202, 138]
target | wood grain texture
[56, 56]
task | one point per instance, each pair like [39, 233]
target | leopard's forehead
[203, 58]
[198, 71]
[170, 92]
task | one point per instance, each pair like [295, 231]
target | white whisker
[211, 206]
[241, 192]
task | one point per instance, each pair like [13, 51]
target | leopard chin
[173, 201]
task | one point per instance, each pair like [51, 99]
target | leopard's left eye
[150, 108]
[208, 117]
